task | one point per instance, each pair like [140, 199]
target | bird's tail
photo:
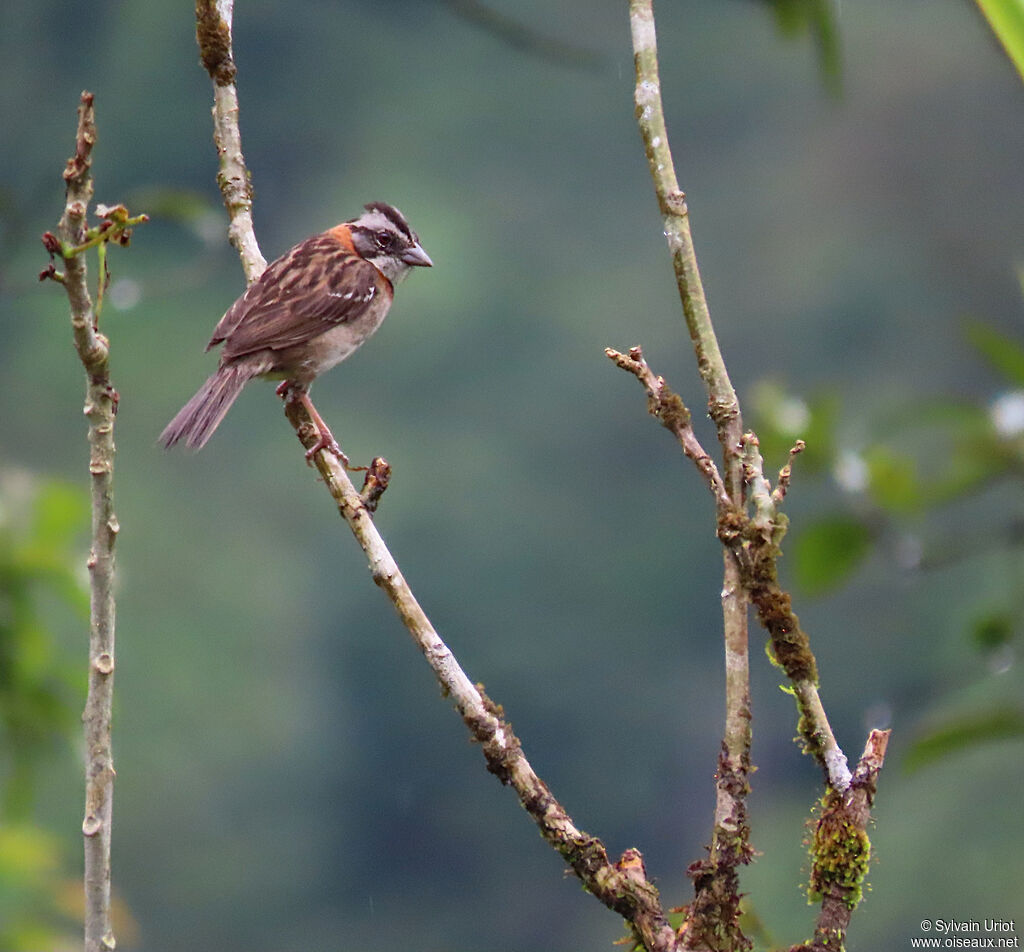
[197, 420]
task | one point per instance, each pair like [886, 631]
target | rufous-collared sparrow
[309, 310]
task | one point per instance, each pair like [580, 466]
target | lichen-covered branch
[755, 541]
[715, 878]
[100, 410]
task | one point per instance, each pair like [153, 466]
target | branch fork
[751, 527]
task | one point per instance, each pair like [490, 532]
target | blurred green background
[288, 777]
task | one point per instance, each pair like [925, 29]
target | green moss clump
[840, 855]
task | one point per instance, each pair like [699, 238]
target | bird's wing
[308, 290]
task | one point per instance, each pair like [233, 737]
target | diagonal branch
[755, 542]
[622, 886]
[667, 407]
[520, 36]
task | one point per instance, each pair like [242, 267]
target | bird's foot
[325, 439]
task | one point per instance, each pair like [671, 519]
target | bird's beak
[417, 256]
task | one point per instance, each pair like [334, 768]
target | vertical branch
[716, 880]
[723, 405]
[100, 410]
[213, 34]
[715, 910]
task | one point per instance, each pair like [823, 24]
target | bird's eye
[383, 239]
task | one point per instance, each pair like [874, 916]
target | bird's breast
[307, 361]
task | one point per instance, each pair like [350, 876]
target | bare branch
[786, 473]
[100, 410]
[752, 550]
[723, 405]
[213, 34]
[755, 541]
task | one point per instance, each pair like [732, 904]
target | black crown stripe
[393, 215]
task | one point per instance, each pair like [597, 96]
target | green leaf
[997, 724]
[952, 442]
[174, 204]
[1005, 354]
[61, 512]
[781, 417]
[27, 853]
[893, 480]
[993, 630]
[816, 18]
[827, 552]
[1006, 17]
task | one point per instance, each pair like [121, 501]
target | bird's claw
[328, 443]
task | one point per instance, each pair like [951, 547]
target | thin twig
[100, 410]
[786, 473]
[667, 407]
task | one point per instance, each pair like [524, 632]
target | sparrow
[309, 310]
